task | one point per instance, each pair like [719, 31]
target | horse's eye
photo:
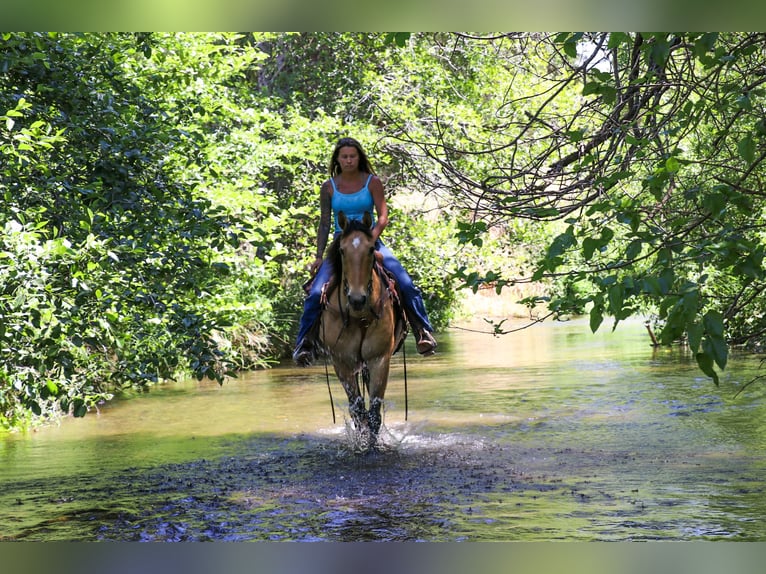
[342, 251]
[372, 250]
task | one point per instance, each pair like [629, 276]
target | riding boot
[426, 344]
[424, 340]
[304, 353]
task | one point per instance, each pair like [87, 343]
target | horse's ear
[342, 220]
[367, 219]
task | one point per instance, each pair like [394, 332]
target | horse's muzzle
[357, 302]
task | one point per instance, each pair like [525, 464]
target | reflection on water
[550, 433]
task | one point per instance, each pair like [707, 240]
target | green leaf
[744, 102]
[589, 246]
[591, 88]
[634, 249]
[575, 135]
[720, 351]
[714, 344]
[569, 41]
[713, 322]
[705, 44]
[607, 92]
[705, 363]
[616, 299]
[471, 232]
[561, 243]
[665, 306]
[715, 203]
[79, 408]
[398, 38]
[751, 265]
[660, 51]
[746, 148]
[617, 38]
[539, 273]
[672, 165]
[651, 285]
[596, 318]
[694, 332]
[656, 181]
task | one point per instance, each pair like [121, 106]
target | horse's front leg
[376, 386]
[356, 407]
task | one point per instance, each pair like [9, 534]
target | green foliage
[161, 201]
[649, 148]
[108, 256]
[160, 191]
[425, 250]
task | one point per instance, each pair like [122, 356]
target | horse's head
[357, 255]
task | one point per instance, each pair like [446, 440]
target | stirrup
[426, 344]
[304, 354]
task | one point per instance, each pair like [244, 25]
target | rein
[327, 377]
[386, 292]
[374, 310]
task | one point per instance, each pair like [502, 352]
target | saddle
[400, 316]
[401, 325]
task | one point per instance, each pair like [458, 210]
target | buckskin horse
[360, 327]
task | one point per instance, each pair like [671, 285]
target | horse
[360, 327]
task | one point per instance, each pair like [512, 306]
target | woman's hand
[314, 267]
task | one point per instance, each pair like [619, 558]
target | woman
[353, 188]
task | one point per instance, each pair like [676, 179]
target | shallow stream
[549, 433]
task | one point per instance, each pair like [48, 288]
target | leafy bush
[109, 259]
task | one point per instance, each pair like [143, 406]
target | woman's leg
[304, 353]
[412, 299]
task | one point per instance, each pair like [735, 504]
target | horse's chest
[357, 341]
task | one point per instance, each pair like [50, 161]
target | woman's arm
[325, 220]
[381, 207]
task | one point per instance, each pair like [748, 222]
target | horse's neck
[378, 278]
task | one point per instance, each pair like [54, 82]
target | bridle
[371, 309]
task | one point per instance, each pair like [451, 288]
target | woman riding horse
[354, 189]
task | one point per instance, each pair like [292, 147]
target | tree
[109, 253]
[649, 149]
[159, 200]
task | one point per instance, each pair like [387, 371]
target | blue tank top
[352, 204]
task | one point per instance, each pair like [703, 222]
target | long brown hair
[364, 162]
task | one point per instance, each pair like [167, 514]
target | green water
[550, 433]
